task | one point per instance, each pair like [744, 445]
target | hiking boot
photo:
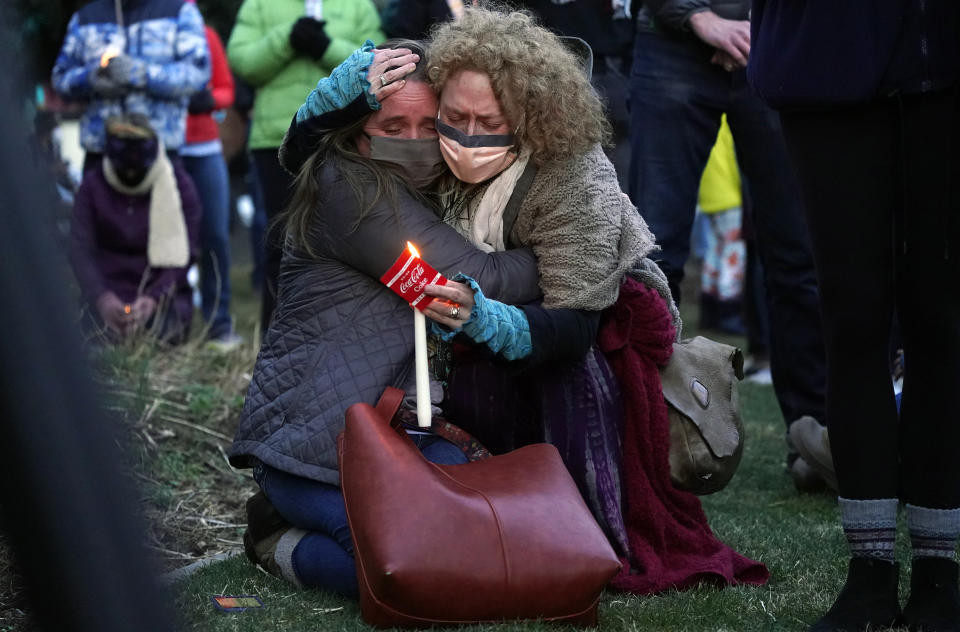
[813, 443]
[934, 603]
[868, 600]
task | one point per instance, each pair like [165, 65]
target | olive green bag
[706, 431]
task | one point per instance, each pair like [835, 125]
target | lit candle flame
[413, 250]
[127, 309]
[108, 54]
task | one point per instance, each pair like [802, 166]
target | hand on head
[452, 304]
[388, 69]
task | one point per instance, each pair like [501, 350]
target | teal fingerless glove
[347, 82]
[504, 329]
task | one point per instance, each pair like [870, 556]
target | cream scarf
[167, 244]
[482, 223]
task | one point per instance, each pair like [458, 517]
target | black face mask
[132, 157]
[419, 159]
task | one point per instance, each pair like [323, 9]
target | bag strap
[389, 404]
[516, 199]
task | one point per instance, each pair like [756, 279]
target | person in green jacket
[282, 48]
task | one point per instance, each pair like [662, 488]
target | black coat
[824, 53]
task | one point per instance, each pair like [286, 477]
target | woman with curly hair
[521, 128]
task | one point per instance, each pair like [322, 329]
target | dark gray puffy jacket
[339, 336]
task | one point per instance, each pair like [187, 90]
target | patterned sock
[870, 527]
[933, 532]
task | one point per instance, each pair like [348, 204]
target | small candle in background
[127, 308]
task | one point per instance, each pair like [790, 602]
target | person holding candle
[340, 336]
[133, 233]
[143, 56]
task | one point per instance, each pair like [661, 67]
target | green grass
[759, 514]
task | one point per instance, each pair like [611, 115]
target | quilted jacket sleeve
[374, 243]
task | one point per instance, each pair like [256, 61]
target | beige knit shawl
[585, 232]
[168, 245]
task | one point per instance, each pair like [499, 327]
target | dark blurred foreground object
[65, 507]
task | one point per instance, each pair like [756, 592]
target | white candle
[423, 375]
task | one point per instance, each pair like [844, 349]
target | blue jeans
[324, 557]
[676, 100]
[209, 174]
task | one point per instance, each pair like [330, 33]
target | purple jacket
[108, 243]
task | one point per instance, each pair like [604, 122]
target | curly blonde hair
[540, 84]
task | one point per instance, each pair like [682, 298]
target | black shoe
[934, 603]
[868, 599]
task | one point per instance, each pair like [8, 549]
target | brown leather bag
[504, 538]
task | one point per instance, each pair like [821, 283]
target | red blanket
[671, 544]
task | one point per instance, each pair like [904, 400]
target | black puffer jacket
[339, 336]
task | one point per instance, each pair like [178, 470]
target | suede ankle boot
[934, 603]
[868, 599]
[262, 518]
[265, 526]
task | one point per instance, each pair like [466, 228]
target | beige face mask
[475, 158]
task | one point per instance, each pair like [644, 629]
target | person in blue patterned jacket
[133, 56]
